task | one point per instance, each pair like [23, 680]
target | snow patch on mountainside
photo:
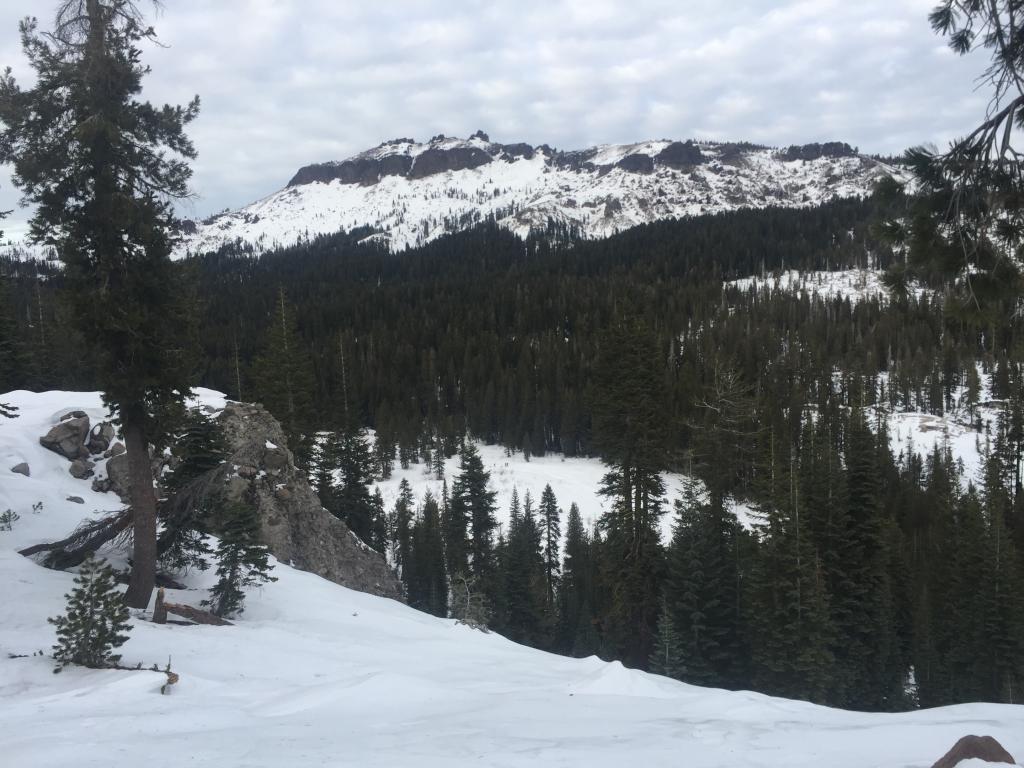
[851, 284]
[316, 674]
[598, 192]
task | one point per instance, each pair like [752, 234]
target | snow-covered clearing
[315, 674]
[572, 479]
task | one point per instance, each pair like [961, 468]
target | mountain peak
[412, 191]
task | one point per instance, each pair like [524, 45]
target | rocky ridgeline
[405, 158]
[261, 470]
[406, 193]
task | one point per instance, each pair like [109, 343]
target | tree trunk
[143, 499]
[160, 609]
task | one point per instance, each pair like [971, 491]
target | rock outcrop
[294, 525]
[977, 748]
[68, 437]
[115, 477]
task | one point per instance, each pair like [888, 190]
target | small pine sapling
[96, 621]
[241, 561]
[7, 520]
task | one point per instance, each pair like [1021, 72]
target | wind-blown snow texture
[414, 192]
[316, 674]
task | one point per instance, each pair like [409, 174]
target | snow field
[315, 674]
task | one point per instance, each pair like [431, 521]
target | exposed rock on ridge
[294, 525]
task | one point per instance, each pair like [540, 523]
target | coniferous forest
[874, 578]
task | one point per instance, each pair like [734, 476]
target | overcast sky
[289, 82]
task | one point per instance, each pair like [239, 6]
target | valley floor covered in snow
[315, 674]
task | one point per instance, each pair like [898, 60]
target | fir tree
[283, 375]
[241, 560]
[667, 656]
[378, 523]
[472, 506]
[96, 620]
[630, 429]
[552, 532]
[524, 584]
[200, 450]
[403, 520]
[103, 196]
[425, 576]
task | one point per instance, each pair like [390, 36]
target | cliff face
[295, 526]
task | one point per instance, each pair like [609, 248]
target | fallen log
[83, 541]
[195, 615]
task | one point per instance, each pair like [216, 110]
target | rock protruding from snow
[983, 748]
[68, 437]
[115, 477]
[101, 437]
[80, 469]
[294, 525]
[22, 469]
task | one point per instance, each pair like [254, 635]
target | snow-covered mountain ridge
[412, 192]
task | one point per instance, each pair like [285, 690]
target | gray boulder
[73, 415]
[983, 748]
[115, 450]
[294, 525]
[100, 437]
[68, 437]
[117, 476]
[81, 469]
[22, 469]
[75, 499]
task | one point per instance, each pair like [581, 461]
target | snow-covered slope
[315, 674]
[411, 192]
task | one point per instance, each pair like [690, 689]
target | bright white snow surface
[315, 674]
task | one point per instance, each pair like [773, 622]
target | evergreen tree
[472, 505]
[574, 603]
[283, 375]
[241, 560]
[200, 450]
[702, 592]
[13, 358]
[870, 653]
[426, 580]
[378, 523]
[403, 524]
[103, 200]
[667, 656]
[347, 471]
[96, 620]
[550, 516]
[788, 611]
[524, 584]
[630, 429]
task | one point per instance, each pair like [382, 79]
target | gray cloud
[288, 83]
